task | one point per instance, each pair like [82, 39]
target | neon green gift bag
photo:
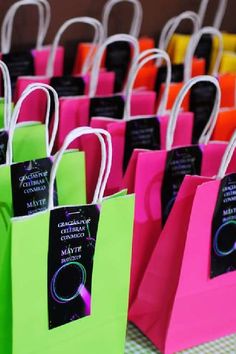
[70, 274]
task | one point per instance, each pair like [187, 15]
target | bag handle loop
[194, 41]
[7, 25]
[106, 161]
[27, 92]
[144, 58]
[172, 25]
[137, 17]
[206, 135]
[97, 41]
[99, 56]
[222, 6]
[227, 157]
[7, 94]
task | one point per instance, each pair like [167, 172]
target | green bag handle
[27, 92]
[106, 161]
[207, 132]
[97, 41]
[141, 60]
[100, 54]
[7, 94]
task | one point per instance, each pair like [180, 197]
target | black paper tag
[111, 107]
[3, 146]
[68, 86]
[19, 64]
[180, 162]
[223, 246]
[30, 186]
[118, 57]
[202, 100]
[72, 240]
[177, 75]
[204, 50]
[141, 133]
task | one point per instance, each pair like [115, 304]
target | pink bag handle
[142, 59]
[7, 25]
[97, 41]
[222, 6]
[227, 157]
[99, 56]
[206, 135]
[137, 18]
[172, 25]
[27, 92]
[194, 41]
[7, 94]
[106, 161]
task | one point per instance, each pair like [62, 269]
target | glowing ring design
[59, 298]
[216, 238]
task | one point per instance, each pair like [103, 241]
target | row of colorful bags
[64, 286]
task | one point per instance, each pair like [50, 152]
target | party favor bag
[141, 131]
[157, 178]
[78, 296]
[31, 62]
[177, 310]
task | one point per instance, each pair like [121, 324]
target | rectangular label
[141, 133]
[19, 64]
[3, 146]
[110, 107]
[30, 186]
[223, 245]
[68, 86]
[180, 162]
[118, 57]
[72, 241]
[202, 100]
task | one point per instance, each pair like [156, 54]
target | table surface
[136, 343]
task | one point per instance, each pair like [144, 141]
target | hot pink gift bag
[81, 109]
[156, 188]
[33, 62]
[65, 85]
[186, 296]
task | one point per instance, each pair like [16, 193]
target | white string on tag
[7, 24]
[227, 157]
[172, 25]
[7, 94]
[27, 92]
[99, 56]
[97, 41]
[137, 17]
[206, 135]
[194, 41]
[141, 60]
[220, 13]
[106, 161]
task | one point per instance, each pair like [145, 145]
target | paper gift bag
[203, 222]
[65, 84]
[156, 190]
[141, 131]
[93, 304]
[37, 134]
[26, 63]
[225, 125]
[80, 110]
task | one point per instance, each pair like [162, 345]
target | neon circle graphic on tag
[218, 251]
[81, 281]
